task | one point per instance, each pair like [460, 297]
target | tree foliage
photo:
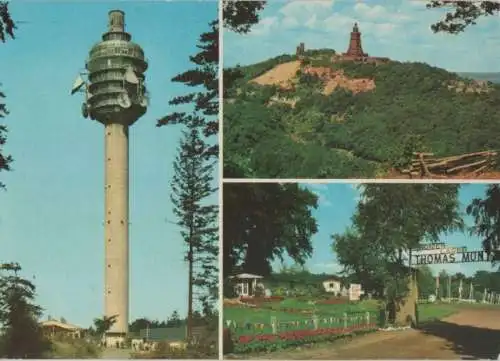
[486, 214]
[263, 222]
[104, 324]
[21, 335]
[240, 16]
[7, 27]
[5, 159]
[463, 14]
[388, 222]
[204, 78]
[414, 107]
[426, 282]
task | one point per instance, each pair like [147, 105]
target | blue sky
[337, 203]
[398, 29]
[51, 216]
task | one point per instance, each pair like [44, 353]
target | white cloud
[337, 22]
[289, 22]
[307, 13]
[372, 12]
[321, 190]
[398, 29]
[379, 13]
[297, 9]
[265, 26]
[417, 3]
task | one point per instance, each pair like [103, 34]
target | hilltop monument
[355, 50]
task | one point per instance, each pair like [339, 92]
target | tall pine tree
[5, 159]
[205, 98]
[21, 337]
[7, 27]
[239, 16]
[192, 185]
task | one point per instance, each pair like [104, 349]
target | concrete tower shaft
[116, 96]
[117, 227]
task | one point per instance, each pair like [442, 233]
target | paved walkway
[116, 353]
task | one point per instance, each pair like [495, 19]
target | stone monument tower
[355, 49]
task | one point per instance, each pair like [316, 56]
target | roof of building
[331, 280]
[169, 334]
[246, 275]
[55, 323]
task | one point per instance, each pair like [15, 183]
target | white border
[358, 180]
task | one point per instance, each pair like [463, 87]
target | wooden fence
[427, 165]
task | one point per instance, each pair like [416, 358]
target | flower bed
[269, 342]
[259, 300]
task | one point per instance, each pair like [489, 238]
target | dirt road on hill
[469, 334]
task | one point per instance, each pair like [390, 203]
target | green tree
[21, 335]
[263, 222]
[139, 324]
[5, 159]
[240, 16]
[463, 14]
[388, 222]
[104, 324]
[7, 27]
[174, 320]
[192, 187]
[204, 78]
[426, 282]
[486, 214]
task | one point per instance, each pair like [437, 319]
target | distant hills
[287, 118]
[493, 77]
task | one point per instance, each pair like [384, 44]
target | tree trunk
[190, 292]
[190, 299]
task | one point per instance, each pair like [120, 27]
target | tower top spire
[355, 28]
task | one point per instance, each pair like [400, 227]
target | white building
[246, 284]
[332, 286]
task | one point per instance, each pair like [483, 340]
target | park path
[469, 334]
[116, 353]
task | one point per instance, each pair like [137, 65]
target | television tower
[115, 95]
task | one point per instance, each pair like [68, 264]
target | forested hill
[318, 119]
[493, 77]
